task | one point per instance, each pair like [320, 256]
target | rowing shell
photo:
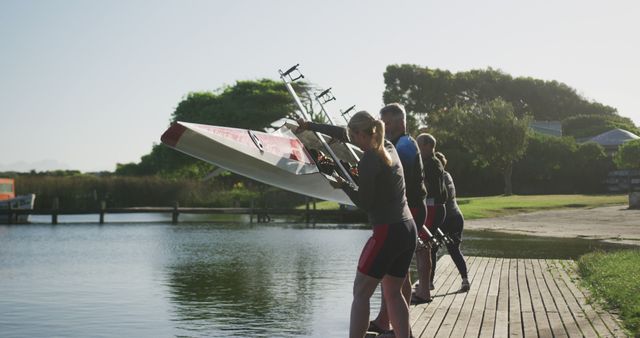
[278, 159]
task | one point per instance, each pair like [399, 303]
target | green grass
[483, 207]
[615, 278]
[322, 205]
[493, 206]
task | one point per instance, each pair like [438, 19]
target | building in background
[613, 139]
[552, 128]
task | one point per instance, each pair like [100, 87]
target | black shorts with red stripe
[389, 250]
[435, 217]
[419, 214]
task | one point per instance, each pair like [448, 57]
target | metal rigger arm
[325, 97]
[291, 75]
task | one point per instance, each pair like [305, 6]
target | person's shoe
[431, 286]
[465, 285]
[391, 334]
[415, 300]
[373, 327]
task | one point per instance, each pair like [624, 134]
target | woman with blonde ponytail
[381, 193]
[379, 141]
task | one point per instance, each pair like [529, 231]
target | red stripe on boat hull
[173, 134]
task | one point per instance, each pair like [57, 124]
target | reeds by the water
[87, 191]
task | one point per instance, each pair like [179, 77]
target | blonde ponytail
[364, 122]
[378, 139]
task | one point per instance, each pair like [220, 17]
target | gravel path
[615, 224]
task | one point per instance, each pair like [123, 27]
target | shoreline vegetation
[614, 279]
[75, 191]
[495, 206]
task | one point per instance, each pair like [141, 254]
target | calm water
[198, 280]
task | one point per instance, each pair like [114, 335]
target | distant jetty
[259, 215]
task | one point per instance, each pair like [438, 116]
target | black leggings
[452, 226]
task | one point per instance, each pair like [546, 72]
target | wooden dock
[512, 298]
[260, 215]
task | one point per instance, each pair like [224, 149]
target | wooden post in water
[634, 200]
[10, 214]
[306, 199]
[315, 215]
[55, 205]
[174, 215]
[251, 213]
[103, 206]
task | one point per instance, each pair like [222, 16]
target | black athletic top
[336, 132]
[451, 204]
[413, 171]
[408, 152]
[381, 188]
[434, 173]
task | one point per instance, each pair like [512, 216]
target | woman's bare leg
[397, 306]
[423, 261]
[363, 288]
[382, 320]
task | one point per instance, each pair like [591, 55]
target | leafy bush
[628, 155]
[582, 126]
[86, 191]
[471, 177]
[546, 166]
[560, 165]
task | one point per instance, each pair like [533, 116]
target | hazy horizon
[86, 85]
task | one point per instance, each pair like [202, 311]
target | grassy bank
[85, 191]
[484, 207]
[615, 278]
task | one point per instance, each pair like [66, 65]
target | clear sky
[88, 84]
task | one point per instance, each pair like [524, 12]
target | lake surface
[200, 280]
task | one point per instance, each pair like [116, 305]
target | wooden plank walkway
[512, 298]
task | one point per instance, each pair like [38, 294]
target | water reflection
[232, 293]
[209, 280]
[256, 281]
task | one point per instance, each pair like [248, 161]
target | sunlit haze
[88, 84]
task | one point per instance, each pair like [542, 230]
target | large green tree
[560, 165]
[246, 104]
[590, 168]
[495, 135]
[442, 100]
[425, 91]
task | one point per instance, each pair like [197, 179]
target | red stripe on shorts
[372, 248]
[431, 216]
[414, 211]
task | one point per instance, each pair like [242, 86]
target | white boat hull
[278, 159]
[19, 202]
